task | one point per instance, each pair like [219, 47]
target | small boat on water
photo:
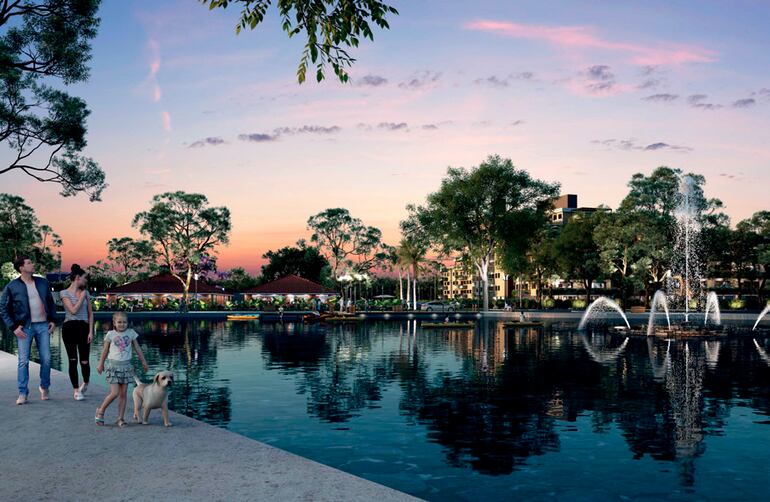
[243, 317]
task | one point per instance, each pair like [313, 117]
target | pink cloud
[166, 118]
[585, 37]
[152, 78]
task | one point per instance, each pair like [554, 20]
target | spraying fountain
[598, 309]
[683, 283]
[659, 299]
[761, 315]
[712, 307]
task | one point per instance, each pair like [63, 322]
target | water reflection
[495, 400]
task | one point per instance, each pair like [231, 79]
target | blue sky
[585, 93]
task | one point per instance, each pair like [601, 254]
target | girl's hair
[76, 271]
[115, 315]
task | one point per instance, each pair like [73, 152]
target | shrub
[737, 303]
[579, 304]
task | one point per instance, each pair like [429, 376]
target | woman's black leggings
[75, 338]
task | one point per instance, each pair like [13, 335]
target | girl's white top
[120, 344]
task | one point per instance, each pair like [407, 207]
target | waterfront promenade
[53, 451]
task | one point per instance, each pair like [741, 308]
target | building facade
[461, 280]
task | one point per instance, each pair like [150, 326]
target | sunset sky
[581, 92]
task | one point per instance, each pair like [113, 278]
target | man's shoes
[22, 399]
[43, 394]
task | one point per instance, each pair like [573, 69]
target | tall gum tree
[479, 209]
[184, 230]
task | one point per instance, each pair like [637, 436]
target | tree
[302, 260]
[129, 258]
[329, 25]
[22, 234]
[538, 264]
[44, 126]
[652, 202]
[477, 210]
[413, 248]
[237, 279]
[619, 238]
[751, 245]
[659, 194]
[410, 256]
[577, 254]
[184, 230]
[346, 241]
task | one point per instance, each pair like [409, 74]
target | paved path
[53, 451]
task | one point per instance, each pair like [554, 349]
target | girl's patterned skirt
[118, 371]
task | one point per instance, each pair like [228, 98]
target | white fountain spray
[712, 307]
[688, 234]
[658, 299]
[602, 305]
[761, 315]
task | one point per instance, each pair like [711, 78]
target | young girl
[118, 342]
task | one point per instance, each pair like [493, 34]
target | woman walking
[78, 328]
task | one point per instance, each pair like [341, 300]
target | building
[290, 287]
[566, 207]
[162, 287]
[462, 280]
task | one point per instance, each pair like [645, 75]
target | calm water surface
[490, 412]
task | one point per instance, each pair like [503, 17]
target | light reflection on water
[463, 414]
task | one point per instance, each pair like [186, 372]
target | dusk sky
[585, 93]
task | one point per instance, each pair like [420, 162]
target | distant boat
[243, 317]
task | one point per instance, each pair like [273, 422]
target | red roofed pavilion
[290, 285]
[164, 286]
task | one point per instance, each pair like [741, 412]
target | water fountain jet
[601, 303]
[659, 298]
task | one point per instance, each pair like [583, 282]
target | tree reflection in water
[491, 397]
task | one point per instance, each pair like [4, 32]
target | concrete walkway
[53, 451]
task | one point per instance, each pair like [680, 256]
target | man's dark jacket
[14, 302]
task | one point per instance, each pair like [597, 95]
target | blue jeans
[39, 332]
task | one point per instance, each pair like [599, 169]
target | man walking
[27, 309]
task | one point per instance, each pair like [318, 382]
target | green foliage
[302, 260]
[131, 259]
[47, 39]
[330, 26]
[493, 204]
[737, 304]
[22, 234]
[346, 241]
[579, 304]
[184, 229]
[237, 279]
[578, 255]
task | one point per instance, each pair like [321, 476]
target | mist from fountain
[761, 315]
[601, 305]
[659, 298]
[712, 307]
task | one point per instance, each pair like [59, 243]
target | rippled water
[490, 412]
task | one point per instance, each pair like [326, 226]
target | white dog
[153, 396]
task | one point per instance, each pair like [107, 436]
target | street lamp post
[195, 276]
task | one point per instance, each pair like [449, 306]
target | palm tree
[411, 255]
